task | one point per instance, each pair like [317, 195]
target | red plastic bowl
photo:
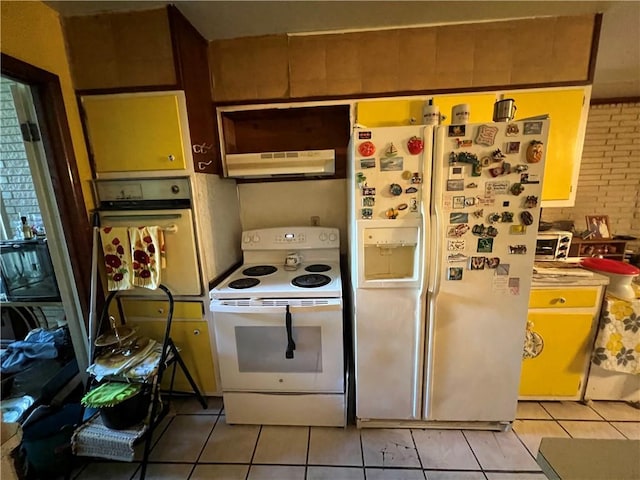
[610, 266]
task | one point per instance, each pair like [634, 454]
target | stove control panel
[283, 238]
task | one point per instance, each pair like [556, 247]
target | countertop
[553, 274]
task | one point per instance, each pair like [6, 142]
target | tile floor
[197, 444]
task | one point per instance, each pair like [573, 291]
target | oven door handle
[291, 345]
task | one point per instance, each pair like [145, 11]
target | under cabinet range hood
[275, 164]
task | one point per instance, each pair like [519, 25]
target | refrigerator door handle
[435, 266]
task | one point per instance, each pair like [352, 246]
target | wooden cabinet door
[567, 110]
[192, 339]
[559, 368]
[136, 132]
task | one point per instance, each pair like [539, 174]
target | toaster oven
[553, 245]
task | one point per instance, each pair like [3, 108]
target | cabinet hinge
[30, 132]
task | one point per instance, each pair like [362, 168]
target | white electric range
[279, 329]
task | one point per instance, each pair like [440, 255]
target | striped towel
[117, 257]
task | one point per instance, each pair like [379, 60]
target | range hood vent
[274, 164]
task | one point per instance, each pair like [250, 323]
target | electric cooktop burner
[259, 270]
[317, 268]
[311, 281]
[244, 283]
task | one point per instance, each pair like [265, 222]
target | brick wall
[609, 182]
[16, 185]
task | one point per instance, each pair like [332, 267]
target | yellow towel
[117, 257]
[146, 251]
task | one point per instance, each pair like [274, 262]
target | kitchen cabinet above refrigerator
[567, 107]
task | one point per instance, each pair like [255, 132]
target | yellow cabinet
[560, 331]
[568, 110]
[137, 132]
[390, 113]
[190, 333]
[480, 106]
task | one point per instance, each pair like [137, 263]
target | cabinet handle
[560, 300]
[196, 332]
[161, 310]
[171, 158]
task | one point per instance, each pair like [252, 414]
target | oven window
[262, 349]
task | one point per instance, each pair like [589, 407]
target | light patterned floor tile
[617, 411]
[515, 476]
[166, 471]
[578, 429]
[394, 474]
[223, 472]
[230, 443]
[531, 432]
[183, 439]
[387, 447]
[191, 406]
[335, 473]
[335, 446]
[444, 450]
[282, 445]
[500, 451]
[570, 411]
[275, 472]
[532, 410]
[440, 475]
[631, 430]
[110, 470]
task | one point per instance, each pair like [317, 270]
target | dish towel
[117, 257]
[147, 247]
[617, 345]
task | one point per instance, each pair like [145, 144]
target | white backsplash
[218, 215]
[281, 204]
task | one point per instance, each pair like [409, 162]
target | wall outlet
[315, 221]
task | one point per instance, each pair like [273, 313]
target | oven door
[182, 272]
[252, 344]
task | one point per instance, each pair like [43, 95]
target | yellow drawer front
[135, 133]
[158, 309]
[192, 340]
[563, 298]
[559, 367]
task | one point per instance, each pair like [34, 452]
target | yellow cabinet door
[390, 113]
[480, 104]
[136, 132]
[566, 135]
[192, 339]
[559, 368]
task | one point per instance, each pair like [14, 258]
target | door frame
[62, 167]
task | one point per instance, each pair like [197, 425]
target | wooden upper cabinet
[149, 50]
[135, 132]
[121, 50]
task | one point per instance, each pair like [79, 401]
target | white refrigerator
[442, 244]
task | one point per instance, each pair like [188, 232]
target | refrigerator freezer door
[482, 267]
[388, 344]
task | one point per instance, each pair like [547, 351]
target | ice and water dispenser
[390, 254]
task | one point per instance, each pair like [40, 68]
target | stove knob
[247, 239]
[256, 238]
[333, 237]
[323, 237]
